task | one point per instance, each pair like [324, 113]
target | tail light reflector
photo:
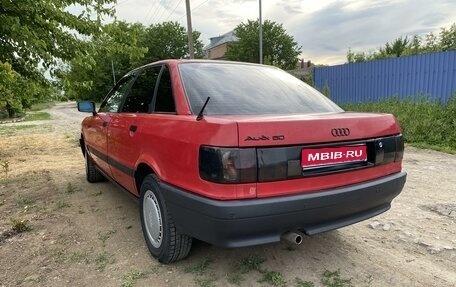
[228, 165]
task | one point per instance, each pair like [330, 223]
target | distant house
[216, 50]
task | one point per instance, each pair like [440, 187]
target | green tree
[444, 41]
[279, 48]
[168, 40]
[395, 48]
[43, 31]
[36, 35]
[8, 79]
[357, 57]
[90, 75]
[123, 46]
[448, 38]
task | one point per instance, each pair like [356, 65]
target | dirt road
[81, 234]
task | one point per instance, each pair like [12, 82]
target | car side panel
[95, 131]
[170, 146]
[123, 148]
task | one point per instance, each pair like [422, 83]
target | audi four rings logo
[340, 132]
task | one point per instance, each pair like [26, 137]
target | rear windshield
[243, 89]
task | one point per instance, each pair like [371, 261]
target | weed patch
[20, 226]
[103, 259]
[79, 257]
[273, 278]
[205, 281]
[302, 283]
[104, 236]
[4, 164]
[132, 277]
[70, 188]
[199, 268]
[62, 204]
[23, 200]
[334, 279]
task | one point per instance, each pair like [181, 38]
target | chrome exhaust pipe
[292, 237]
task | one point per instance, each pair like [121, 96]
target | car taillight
[390, 149]
[228, 165]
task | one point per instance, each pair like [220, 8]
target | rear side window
[164, 102]
[142, 91]
[249, 89]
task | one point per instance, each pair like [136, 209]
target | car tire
[162, 239]
[92, 173]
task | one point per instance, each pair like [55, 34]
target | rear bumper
[238, 223]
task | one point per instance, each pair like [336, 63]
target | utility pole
[191, 49]
[261, 36]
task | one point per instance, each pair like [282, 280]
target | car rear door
[124, 140]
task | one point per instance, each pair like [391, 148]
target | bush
[423, 122]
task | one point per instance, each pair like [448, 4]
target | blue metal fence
[431, 75]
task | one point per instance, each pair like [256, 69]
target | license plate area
[332, 157]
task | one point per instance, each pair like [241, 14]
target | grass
[334, 279]
[20, 226]
[199, 268]
[24, 200]
[206, 281]
[62, 204]
[273, 278]
[301, 283]
[250, 263]
[244, 266]
[255, 263]
[132, 277]
[103, 259]
[201, 278]
[41, 106]
[424, 124]
[104, 236]
[70, 188]
[37, 116]
[59, 255]
[12, 130]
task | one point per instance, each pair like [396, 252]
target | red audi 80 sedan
[238, 154]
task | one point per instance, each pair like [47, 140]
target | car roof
[205, 61]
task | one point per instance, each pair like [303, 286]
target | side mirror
[87, 107]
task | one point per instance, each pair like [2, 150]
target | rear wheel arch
[141, 172]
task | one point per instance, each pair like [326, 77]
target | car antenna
[200, 114]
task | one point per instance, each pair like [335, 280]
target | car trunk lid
[260, 131]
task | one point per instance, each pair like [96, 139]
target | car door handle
[133, 128]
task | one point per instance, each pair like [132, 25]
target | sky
[325, 29]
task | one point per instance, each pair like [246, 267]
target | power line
[146, 19]
[204, 2]
[178, 4]
[157, 15]
[161, 15]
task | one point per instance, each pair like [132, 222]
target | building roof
[217, 41]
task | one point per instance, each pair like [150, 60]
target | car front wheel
[160, 234]
[92, 173]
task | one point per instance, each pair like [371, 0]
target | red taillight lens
[228, 165]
